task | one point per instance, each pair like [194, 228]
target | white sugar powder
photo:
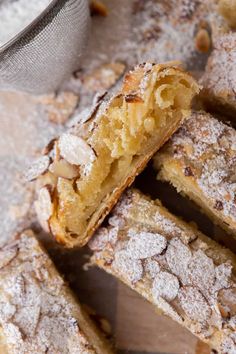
[15, 15]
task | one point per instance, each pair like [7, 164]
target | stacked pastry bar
[199, 160]
[83, 172]
[38, 314]
[183, 273]
[219, 79]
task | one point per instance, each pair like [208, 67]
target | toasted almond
[165, 285]
[37, 168]
[75, 150]
[202, 41]
[64, 169]
[98, 8]
[44, 207]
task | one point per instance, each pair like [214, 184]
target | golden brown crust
[110, 147]
[182, 272]
[200, 162]
[38, 313]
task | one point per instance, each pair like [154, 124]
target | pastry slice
[219, 79]
[38, 313]
[200, 162]
[186, 275]
[85, 170]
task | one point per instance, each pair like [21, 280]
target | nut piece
[194, 304]
[165, 285]
[130, 268]
[145, 244]
[98, 8]
[44, 207]
[37, 168]
[64, 169]
[202, 41]
[104, 77]
[75, 150]
[227, 8]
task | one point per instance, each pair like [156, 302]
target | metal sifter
[41, 56]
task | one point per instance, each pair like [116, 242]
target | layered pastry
[200, 161]
[38, 313]
[186, 275]
[219, 79]
[85, 170]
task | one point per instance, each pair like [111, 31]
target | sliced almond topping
[130, 268]
[64, 169]
[145, 244]
[38, 168]
[178, 256]
[201, 271]
[194, 304]
[75, 150]
[165, 285]
[44, 207]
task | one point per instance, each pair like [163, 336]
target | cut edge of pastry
[153, 102]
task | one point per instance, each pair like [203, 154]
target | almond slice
[44, 207]
[75, 150]
[146, 244]
[37, 168]
[64, 169]
[165, 285]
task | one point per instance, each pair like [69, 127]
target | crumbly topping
[220, 76]
[186, 277]
[207, 146]
[37, 313]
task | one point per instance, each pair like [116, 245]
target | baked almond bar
[38, 313]
[200, 161]
[219, 79]
[86, 169]
[186, 275]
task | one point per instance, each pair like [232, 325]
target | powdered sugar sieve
[44, 53]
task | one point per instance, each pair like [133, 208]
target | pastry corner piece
[219, 79]
[84, 171]
[199, 160]
[38, 313]
[186, 275]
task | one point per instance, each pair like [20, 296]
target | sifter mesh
[48, 50]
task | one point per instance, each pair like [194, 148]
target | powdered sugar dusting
[37, 313]
[205, 138]
[189, 280]
[146, 244]
[220, 77]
